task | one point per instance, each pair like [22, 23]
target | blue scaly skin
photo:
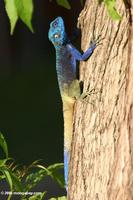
[66, 57]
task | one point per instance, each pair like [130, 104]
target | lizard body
[66, 56]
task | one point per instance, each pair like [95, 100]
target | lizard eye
[57, 35]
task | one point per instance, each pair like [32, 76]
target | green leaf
[8, 178]
[34, 178]
[12, 179]
[64, 3]
[56, 166]
[25, 11]
[59, 198]
[59, 178]
[39, 196]
[16, 182]
[3, 144]
[112, 10]
[53, 170]
[56, 174]
[2, 177]
[82, 2]
[62, 198]
[3, 162]
[11, 10]
[7, 174]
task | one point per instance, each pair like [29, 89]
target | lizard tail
[68, 107]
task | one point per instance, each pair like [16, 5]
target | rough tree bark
[101, 165]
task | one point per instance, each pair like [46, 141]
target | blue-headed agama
[66, 57]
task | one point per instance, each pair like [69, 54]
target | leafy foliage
[33, 179]
[64, 3]
[39, 196]
[59, 198]
[3, 144]
[12, 13]
[23, 9]
[25, 178]
[82, 2]
[112, 10]
[55, 173]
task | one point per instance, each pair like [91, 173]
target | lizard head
[57, 34]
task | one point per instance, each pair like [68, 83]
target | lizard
[69, 86]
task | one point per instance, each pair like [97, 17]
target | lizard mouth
[55, 43]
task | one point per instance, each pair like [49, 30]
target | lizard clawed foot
[84, 95]
[96, 41]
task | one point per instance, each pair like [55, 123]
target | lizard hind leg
[74, 89]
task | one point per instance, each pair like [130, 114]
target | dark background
[30, 105]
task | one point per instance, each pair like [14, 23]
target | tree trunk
[101, 165]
